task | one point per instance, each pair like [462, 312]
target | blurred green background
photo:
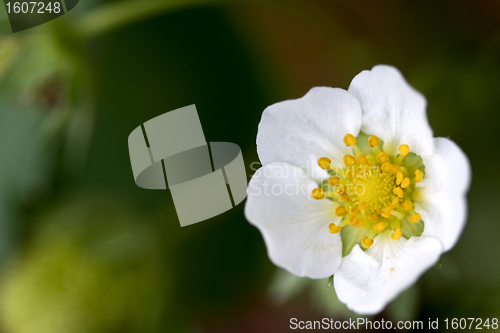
[83, 249]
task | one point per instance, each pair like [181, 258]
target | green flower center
[374, 191]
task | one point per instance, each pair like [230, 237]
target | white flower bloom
[353, 184]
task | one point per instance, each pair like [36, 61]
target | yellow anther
[362, 205]
[333, 181]
[366, 242]
[340, 189]
[386, 212]
[317, 193]
[406, 205]
[404, 150]
[356, 221]
[324, 163]
[418, 176]
[405, 183]
[349, 140]
[365, 166]
[399, 177]
[351, 173]
[382, 158]
[397, 234]
[392, 168]
[354, 211]
[398, 191]
[386, 167]
[414, 218]
[349, 161]
[373, 141]
[333, 228]
[373, 217]
[352, 220]
[340, 211]
[344, 197]
[361, 159]
[379, 226]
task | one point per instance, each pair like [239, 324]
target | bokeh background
[83, 249]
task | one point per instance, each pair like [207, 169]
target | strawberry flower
[354, 185]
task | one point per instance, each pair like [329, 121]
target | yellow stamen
[333, 181]
[392, 168]
[397, 234]
[386, 212]
[418, 176]
[373, 141]
[406, 205]
[349, 160]
[356, 221]
[373, 217]
[386, 167]
[324, 163]
[405, 183]
[352, 220]
[362, 205]
[317, 193]
[362, 160]
[354, 211]
[414, 218]
[366, 242]
[399, 177]
[344, 197]
[382, 158]
[340, 211]
[379, 226]
[394, 202]
[398, 191]
[360, 221]
[404, 150]
[349, 140]
[365, 167]
[351, 173]
[333, 229]
[340, 189]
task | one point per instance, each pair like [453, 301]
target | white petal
[367, 281]
[442, 201]
[302, 130]
[294, 226]
[392, 110]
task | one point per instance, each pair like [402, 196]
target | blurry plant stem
[115, 15]
[112, 16]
